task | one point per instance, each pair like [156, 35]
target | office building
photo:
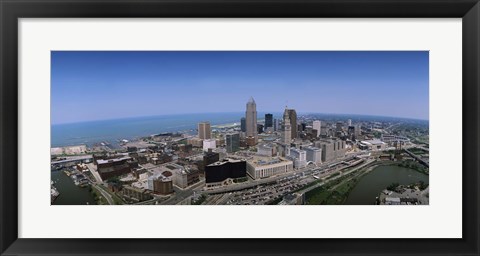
[287, 130]
[349, 122]
[292, 115]
[331, 149]
[339, 127]
[251, 121]
[160, 184]
[267, 150]
[314, 155]
[303, 126]
[243, 124]
[210, 158]
[317, 125]
[209, 144]
[268, 120]
[262, 167]
[109, 168]
[195, 142]
[226, 169]
[276, 124]
[259, 128]
[232, 142]
[204, 131]
[182, 176]
[299, 157]
[136, 194]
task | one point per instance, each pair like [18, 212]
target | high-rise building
[243, 124]
[268, 120]
[232, 141]
[204, 130]
[331, 149]
[339, 127]
[317, 125]
[276, 124]
[304, 126]
[349, 122]
[251, 120]
[292, 115]
[314, 154]
[259, 128]
[299, 157]
[358, 130]
[287, 129]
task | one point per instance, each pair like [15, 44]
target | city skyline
[134, 84]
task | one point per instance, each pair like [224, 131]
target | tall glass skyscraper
[268, 120]
[251, 119]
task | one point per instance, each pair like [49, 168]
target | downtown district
[269, 161]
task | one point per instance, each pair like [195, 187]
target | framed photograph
[257, 127]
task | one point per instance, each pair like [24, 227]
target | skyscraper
[232, 141]
[292, 115]
[349, 122]
[204, 131]
[287, 129]
[268, 120]
[243, 125]
[251, 120]
[276, 124]
[317, 125]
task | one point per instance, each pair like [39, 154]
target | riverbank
[337, 191]
[343, 190]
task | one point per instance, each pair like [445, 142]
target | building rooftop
[104, 161]
[262, 161]
[373, 142]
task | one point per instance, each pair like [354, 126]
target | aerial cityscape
[226, 146]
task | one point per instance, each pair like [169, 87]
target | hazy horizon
[259, 117]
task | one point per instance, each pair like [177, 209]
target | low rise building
[183, 176]
[160, 184]
[226, 169]
[209, 144]
[262, 167]
[195, 142]
[136, 194]
[108, 168]
[373, 145]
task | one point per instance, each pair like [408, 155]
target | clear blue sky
[101, 85]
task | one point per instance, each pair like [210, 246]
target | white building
[210, 143]
[317, 125]
[262, 167]
[390, 139]
[373, 145]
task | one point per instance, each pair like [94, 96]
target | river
[378, 179]
[70, 194]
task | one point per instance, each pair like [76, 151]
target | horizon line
[267, 112]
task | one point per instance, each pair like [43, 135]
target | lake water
[381, 177]
[70, 194]
[112, 131]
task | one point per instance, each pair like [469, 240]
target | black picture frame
[11, 11]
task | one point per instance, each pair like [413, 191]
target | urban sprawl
[288, 160]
